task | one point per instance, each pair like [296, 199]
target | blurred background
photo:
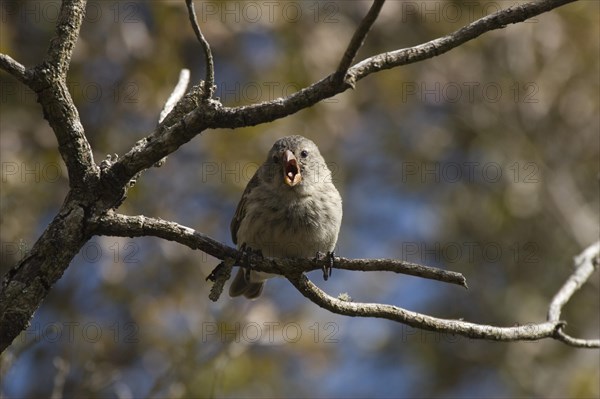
[483, 160]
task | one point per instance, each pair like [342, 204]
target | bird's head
[294, 162]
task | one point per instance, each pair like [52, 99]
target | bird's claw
[246, 253]
[327, 267]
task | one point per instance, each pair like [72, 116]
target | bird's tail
[241, 286]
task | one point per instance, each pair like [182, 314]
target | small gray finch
[290, 209]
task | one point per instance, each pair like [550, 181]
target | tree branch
[209, 81]
[49, 83]
[527, 332]
[576, 342]
[358, 38]
[67, 32]
[114, 224]
[293, 269]
[177, 94]
[63, 117]
[498, 20]
[213, 115]
[26, 284]
[13, 67]
[585, 264]
[135, 226]
[328, 87]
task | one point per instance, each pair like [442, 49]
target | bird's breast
[296, 228]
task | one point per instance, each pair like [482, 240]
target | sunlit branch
[115, 224]
[209, 80]
[358, 38]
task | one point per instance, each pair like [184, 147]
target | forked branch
[213, 115]
[294, 270]
[209, 81]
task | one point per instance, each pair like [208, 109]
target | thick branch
[48, 80]
[67, 32]
[26, 284]
[63, 117]
[114, 224]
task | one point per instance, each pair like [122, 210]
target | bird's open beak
[291, 169]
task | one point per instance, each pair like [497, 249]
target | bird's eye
[275, 158]
[304, 154]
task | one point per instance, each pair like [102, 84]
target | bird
[289, 209]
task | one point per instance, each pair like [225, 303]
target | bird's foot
[327, 267]
[247, 253]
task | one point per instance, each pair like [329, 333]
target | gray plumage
[290, 209]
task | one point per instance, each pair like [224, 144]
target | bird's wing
[240, 212]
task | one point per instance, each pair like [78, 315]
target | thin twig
[402, 267]
[177, 94]
[358, 38]
[576, 342]
[209, 81]
[584, 267]
[585, 264]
